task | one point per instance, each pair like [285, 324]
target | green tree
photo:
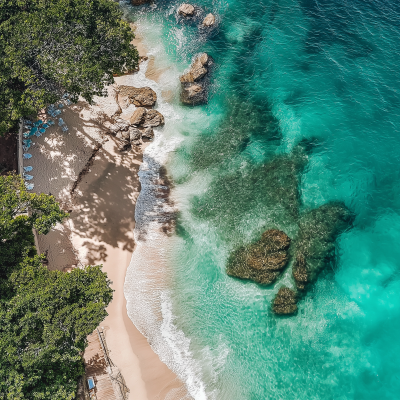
[43, 329]
[48, 47]
[20, 211]
[45, 316]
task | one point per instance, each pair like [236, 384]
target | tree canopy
[45, 316]
[48, 47]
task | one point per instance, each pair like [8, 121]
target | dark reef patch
[263, 260]
[315, 244]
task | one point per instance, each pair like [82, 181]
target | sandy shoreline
[100, 229]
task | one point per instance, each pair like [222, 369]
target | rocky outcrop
[195, 81]
[186, 10]
[139, 2]
[262, 261]
[285, 302]
[209, 21]
[140, 97]
[146, 118]
[315, 244]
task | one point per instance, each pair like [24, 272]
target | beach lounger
[60, 122]
[64, 128]
[28, 168]
[26, 134]
[25, 148]
[27, 156]
[45, 126]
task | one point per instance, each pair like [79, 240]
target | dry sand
[100, 230]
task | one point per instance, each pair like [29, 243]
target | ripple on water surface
[288, 72]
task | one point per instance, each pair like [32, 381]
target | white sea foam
[146, 284]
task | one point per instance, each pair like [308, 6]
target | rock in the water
[262, 261]
[285, 302]
[193, 94]
[140, 97]
[209, 20]
[139, 2]
[195, 82]
[198, 69]
[318, 231]
[138, 116]
[186, 10]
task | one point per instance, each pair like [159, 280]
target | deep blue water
[289, 71]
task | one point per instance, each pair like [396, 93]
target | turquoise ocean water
[325, 73]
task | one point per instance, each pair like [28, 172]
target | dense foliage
[45, 315]
[51, 46]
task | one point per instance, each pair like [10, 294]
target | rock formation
[140, 97]
[285, 302]
[195, 81]
[143, 117]
[209, 21]
[263, 260]
[315, 244]
[186, 10]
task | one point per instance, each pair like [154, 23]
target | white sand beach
[100, 229]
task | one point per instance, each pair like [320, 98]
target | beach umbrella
[28, 168]
[27, 156]
[28, 177]
[45, 126]
[33, 131]
[29, 186]
[60, 105]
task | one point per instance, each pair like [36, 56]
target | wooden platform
[96, 366]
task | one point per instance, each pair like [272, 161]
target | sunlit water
[286, 71]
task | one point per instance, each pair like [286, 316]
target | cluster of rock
[142, 121]
[262, 261]
[195, 82]
[309, 251]
[189, 11]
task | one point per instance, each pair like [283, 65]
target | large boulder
[140, 97]
[186, 10]
[198, 69]
[209, 21]
[263, 260]
[143, 117]
[194, 82]
[285, 302]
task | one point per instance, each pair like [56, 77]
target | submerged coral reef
[264, 260]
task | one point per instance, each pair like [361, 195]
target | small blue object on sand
[28, 177]
[27, 156]
[64, 128]
[28, 168]
[91, 384]
[29, 186]
[45, 126]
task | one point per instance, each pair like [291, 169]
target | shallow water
[287, 71]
